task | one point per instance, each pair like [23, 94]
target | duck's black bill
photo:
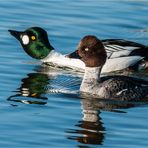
[16, 34]
[74, 55]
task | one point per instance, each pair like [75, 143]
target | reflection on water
[46, 125]
[91, 129]
[35, 86]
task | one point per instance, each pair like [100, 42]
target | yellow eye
[33, 38]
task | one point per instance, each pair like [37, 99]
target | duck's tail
[143, 52]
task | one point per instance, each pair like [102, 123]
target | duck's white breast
[61, 60]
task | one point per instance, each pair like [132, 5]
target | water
[40, 106]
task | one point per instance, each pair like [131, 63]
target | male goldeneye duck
[92, 52]
[122, 54]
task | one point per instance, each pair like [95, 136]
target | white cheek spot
[25, 39]
[86, 49]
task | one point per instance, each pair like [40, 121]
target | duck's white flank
[111, 65]
[117, 54]
[115, 51]
[120, 63]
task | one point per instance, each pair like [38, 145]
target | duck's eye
[33, 38]
[86, 49]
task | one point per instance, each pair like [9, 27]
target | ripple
[40, 107]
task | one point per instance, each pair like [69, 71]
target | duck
[122, 54]
[93, 53]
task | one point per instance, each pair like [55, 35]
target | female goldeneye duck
[92, 52]
[121, 54]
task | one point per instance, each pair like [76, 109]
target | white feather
[120, 63]
[25, 39]
[115, 51]
[114, 64]
[61, 60]
[120, 53]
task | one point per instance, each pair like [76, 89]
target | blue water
[36, 104]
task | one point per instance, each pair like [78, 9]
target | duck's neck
[90, 79]
[52, 56]
[46, 51]
[38, 50]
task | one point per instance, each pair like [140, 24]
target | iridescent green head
[34, 41]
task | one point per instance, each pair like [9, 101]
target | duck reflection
[32, 87]
[35, 86]
[91, 130]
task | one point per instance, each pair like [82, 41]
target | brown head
[92, 51]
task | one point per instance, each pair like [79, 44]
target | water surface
[39, 105]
